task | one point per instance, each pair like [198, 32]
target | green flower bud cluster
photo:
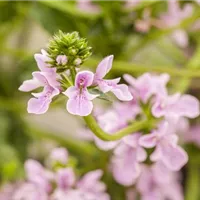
[71, 45]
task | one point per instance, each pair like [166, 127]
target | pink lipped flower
[166, 147]
[121, 91]
[80, 100]
[147, 85]
[126, 160]
[158, 182]
[174, 17]
[46, 78]
[175, 106]
[38, 175]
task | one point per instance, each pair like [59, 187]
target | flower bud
[77, 61]
[68, 50]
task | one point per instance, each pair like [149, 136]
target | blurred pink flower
[126, 160]
[175, 106]
[121, 91]
[109, 122]
[61, 184]
[59, 155]
[89, 187]
[166, 148]
[38, 175]
[30, 191]
[174, 17]
[157, 182]
[144, 25]
[65, 178]
[147, 85]
[88, 6]
[80, 100]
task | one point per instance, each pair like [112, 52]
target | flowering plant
[136, 132]
[142, 128]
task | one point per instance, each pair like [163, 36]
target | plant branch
[94, 127]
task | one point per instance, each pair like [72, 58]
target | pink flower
[173, 17]
[79, 102]
[143, 25]
[37, 175]
[46, 78]
[30, 191]
[157, 182]
[125, 163]
[147, 85]
[40, 104]
[59, 155]
[166, 148]
[121, 91]
[109, 122]
[88, 6]
[42, 61]
[65, 178]
[175, 106]
[91, 184]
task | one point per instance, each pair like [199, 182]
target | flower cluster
[59, 182]
[152, 150]
[54, 82]
[46, 78]
[140, 156]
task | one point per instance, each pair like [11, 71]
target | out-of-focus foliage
[110, 30]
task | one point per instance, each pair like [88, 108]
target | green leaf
[101, 96]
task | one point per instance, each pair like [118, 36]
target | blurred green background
[110, 27]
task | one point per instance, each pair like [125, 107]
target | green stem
[93, 125]
[73, 73]
[132, 68]
[193, 182]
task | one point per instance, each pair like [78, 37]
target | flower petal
[42, 60]
[38, 106]
[188, 106]
[107, 85]
[84, 79]
[90, 182]
[105, 145]
[80, 105]
[65, 178]
[130, 80]
[149, 140]
[30, 85]
[47, 78]
[104, 67]
[125, 170]
[121, 91]
[141, 154]
[174, 157]
[71, 92]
